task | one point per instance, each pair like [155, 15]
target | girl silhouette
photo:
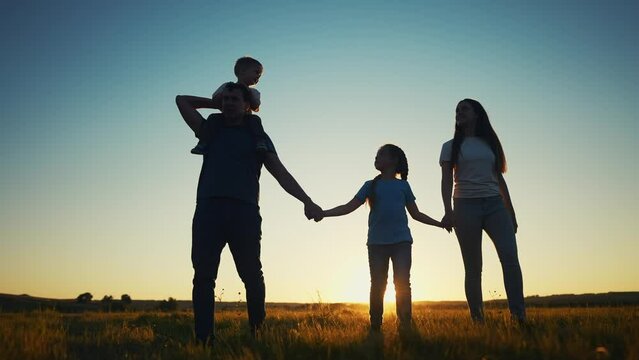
[389, 237]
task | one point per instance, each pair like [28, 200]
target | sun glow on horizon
[358, 290]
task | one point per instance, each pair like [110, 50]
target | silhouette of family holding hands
[235, 146]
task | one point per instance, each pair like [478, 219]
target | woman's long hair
[483, 130]
[401, 168]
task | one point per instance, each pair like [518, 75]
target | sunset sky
[97, 185]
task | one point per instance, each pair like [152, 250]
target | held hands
[448, 221]
[313, 211]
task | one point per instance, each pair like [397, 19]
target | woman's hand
[448, 221]
[514, 218]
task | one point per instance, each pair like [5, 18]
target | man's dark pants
[218, 221]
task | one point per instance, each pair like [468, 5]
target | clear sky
[97, 185]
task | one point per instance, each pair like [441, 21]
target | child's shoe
[199, 149]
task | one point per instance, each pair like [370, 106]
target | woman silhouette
[475, 160]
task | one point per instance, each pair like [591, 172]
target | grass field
[320, 331]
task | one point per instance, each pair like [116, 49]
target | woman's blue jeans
[472, 215]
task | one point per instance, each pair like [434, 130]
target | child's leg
[200, 148]
[378, 256]
[402, 260]
[255, 125]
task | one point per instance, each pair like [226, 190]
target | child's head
[248, 70]
[391, 157]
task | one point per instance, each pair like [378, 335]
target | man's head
[235, 100]
[248, 70]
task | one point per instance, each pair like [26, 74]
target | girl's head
[391, 158]
[470, 114]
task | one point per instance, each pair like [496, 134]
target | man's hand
[313, 211]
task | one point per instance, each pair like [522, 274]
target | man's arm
[188, 106]
[290, 185]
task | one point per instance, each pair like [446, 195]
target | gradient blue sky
[97, 186]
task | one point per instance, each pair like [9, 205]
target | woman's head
[472, 119]
[391, 157]
[471, 114]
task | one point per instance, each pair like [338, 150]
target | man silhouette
[227, 208]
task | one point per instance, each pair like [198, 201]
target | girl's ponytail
[371, 195]
[402, 164]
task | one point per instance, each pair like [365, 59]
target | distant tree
[126, 299]
[84, 298]
[123, 304]
[107, 301]
[168, 305]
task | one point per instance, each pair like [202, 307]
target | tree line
[108, 304]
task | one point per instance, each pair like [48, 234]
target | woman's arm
[447, 191]
[347, 208]
[503, 188]
[414, 212]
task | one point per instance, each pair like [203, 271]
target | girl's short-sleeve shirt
[387, 220]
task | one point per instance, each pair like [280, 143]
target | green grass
[325, 332]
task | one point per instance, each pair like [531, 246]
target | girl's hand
[441, 225]
[319, 216]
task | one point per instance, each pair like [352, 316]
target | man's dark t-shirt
[232, 166]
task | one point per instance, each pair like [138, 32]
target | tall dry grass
[325, 332]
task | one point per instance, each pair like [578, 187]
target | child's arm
[420, 216]
[255, 100]
[343, 209]
[216, 98]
